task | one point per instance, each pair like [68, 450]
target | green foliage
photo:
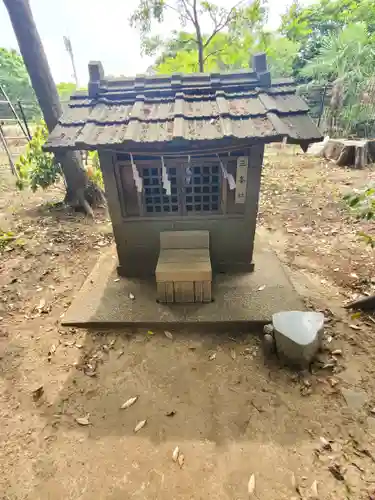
[238, 18]
[311, 24]
[346, 59]
[5, 238]
[16, 83]
[228, 52]
[363, 205]
[65, 90]
[93, 169]
[36, 168]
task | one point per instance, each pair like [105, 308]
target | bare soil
[232, 415]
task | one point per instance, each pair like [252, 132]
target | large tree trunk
[199, 37]
[45, 89]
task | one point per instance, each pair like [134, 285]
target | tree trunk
[45, 89]
[199, 37]
[200, 54]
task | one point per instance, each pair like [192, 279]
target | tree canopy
[192, 14]
[15, 81]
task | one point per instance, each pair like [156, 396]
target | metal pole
[11, 163]
[24, 119]
[13, 110]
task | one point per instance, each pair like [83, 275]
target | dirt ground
[232, 415]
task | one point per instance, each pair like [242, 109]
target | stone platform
[239, 300]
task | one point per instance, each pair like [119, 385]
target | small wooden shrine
[181, 157]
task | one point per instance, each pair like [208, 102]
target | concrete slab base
[238, 300]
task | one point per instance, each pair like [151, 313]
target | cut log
[364, 304]
[350, 153]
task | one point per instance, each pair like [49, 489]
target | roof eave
[182, 146]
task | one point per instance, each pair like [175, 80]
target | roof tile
[148, 111]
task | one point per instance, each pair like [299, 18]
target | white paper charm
[138, 181]
[229, 177]
[165, 180]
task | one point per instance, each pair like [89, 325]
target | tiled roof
[183, 111]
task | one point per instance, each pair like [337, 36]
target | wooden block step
[169, 292]
[184, 239]
[183, 272]
[184, 265]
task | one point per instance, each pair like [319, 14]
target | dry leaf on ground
[251, 485]
[355, 327]
[82, 421]
[168, 335]
[129, 403]
[336, 352]
[140, 425]
[38, 393]
[181, 460]
[314, 490]
[175, 454]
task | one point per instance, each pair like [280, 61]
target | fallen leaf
[336, 472]
[131, 296]
[314, 490]
[355, 315]
[129, 403]
[116, 280]
[171, 413]
[261, 288]
[90, 368]
[372, 411]
[42, 303]
[212, 356]
[353, 275]
[168, 335]
[83, 421]
[69, 343]
[251, 485]
[150, 332]
[78, 346]
[337, 352]
[333, 381]
[326, 445]
[355, 327]
[233, 354]
[175, 454]
[140, 425]
[329, 365]
[181, 460]
[38, 393]
[52, 349]
[294, 481]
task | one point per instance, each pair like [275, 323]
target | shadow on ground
[235, 396]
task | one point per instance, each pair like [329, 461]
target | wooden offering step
[183, 272]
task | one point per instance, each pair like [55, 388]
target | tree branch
[222, 23]
[213, 53]
[187, 16]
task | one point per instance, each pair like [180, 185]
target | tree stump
[350, 153]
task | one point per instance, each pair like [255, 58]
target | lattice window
[155, 198]
[202, 188]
